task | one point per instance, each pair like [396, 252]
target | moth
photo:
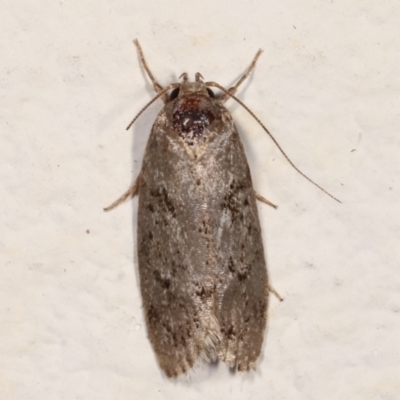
[203, 275]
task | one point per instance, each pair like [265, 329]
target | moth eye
[174, 94]
[210, 93]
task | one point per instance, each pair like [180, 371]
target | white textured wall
[327, 86]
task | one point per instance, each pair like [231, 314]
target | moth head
[187, 88]
[193, 110]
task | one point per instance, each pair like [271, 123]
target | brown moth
[203, 275]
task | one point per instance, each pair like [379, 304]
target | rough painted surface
[72, 324]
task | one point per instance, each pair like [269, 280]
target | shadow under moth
[202, 269]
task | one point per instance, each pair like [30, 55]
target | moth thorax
[191, 117]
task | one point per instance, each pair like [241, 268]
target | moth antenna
[214, 84]
[157, 87]
[159, 94]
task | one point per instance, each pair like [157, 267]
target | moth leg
[264, 200]
[234, 89]
[275, 293]
[131, 192]
[157, 87]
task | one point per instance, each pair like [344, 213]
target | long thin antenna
[214, 84]
[159, 94]
[157, 87]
